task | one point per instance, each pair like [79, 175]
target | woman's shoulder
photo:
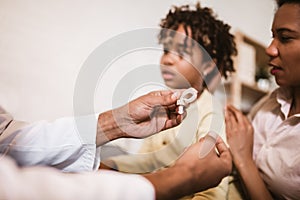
[266, 103]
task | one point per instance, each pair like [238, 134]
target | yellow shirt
[162, 149]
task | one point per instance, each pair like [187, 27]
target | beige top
[163, 149]
[276, 144]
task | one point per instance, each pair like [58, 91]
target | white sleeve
[47, 183]
[67, 144]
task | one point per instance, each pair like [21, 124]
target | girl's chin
[174, 85]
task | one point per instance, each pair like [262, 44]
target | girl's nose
[169, 58]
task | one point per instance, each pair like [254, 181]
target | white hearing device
[187, 97]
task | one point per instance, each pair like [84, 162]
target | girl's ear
[212, 75]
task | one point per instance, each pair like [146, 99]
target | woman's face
[284, 50]
[181, 63]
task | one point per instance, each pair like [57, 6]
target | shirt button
[164, 142]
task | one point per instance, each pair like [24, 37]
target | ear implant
[187, 97]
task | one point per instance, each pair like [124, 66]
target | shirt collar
[284, 98]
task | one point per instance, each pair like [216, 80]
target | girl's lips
[167, 75]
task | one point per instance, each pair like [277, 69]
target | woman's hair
[212, 34]
[281, 2]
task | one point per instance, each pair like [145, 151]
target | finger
[241, 118]
[158, 111]
[246, 121]
[231, 125]
[224, 153]
[247, 126]
[221, 146]
[170, 123]
[166, 92]
[232, 111]
[160, 93]
[237, 113]
[175, 94]
[173, 121]
[163, 98]
[232, 108]
[171, 108]
[201, 140]
[228, 121]
[207, 146]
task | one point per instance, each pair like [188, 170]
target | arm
[58, 143]
[47, 183]
[139, 118]
[132, 163]
[188, 175]
[191, 174]
[70, 143]
[157, 157]
[240, 139]
[204, 115]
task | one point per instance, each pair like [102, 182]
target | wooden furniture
[252, 80]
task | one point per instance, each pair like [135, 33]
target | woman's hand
[239, 132]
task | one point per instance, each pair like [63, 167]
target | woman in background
[266, 150]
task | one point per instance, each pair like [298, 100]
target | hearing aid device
[209, 142]
[187, 97]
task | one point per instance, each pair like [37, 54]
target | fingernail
[208, 144]
[175, 95]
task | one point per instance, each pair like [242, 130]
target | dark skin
[285, 66]
[199, 174]
[139, 118]
[284, 51]
[133, 118]
[239, 133]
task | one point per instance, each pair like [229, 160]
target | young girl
[198, 50]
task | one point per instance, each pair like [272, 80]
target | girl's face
[182, 62]
[284, 50]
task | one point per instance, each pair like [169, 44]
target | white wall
[44, 43]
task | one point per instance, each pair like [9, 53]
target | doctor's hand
[140, 118]
[190, 173]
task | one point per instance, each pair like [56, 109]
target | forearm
[134, 163]
[254, 184]
[139, 118]
[181, 180]
[191, 174]
[48, 183]
[148, 161]
[170, 184]
[107, 128]
[66, 143]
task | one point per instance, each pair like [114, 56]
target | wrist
[241, 164]
[193, 178]
[177, 182]
[107, 128]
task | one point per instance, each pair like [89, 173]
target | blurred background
[43, 45]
